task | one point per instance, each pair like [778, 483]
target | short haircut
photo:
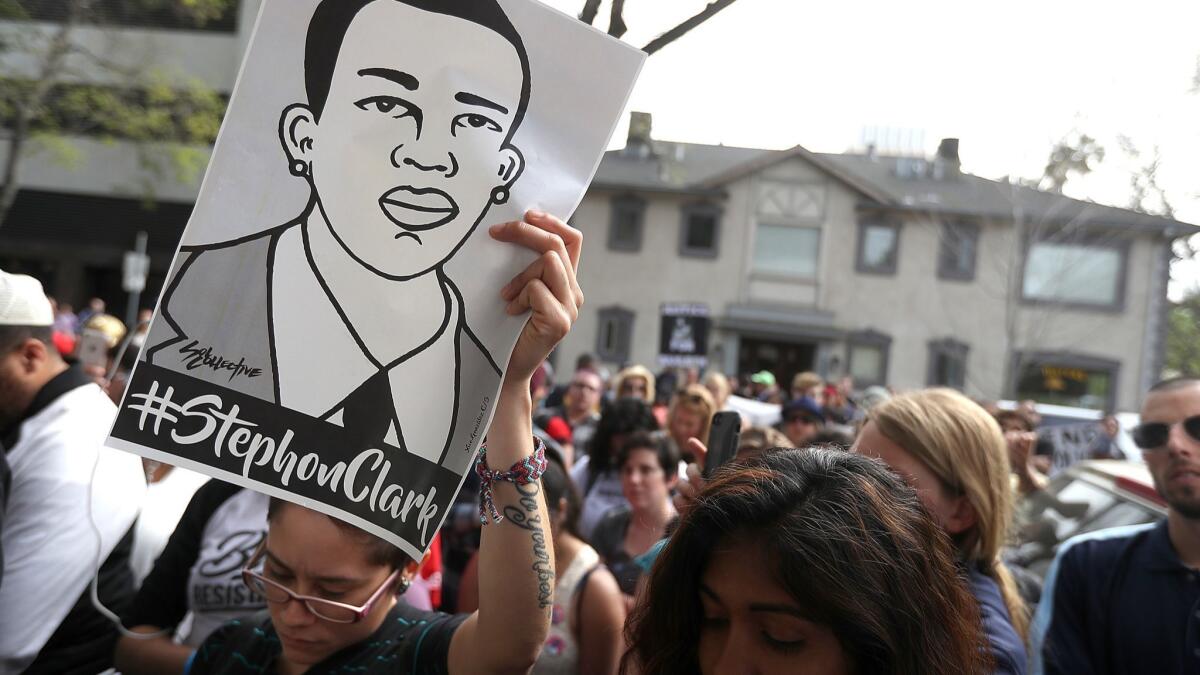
[663, 449]
[12, 337]
[332, 18]
[379, 552]
[1175, 383]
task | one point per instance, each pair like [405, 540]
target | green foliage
[1077, 154]
[150, 113]
[1183, 338]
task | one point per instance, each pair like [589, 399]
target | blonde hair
[720, 383]
[694, 398]
[963, 446]
[636, 371]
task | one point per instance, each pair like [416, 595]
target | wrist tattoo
[525, 516]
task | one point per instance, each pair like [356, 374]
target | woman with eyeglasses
[331, 589]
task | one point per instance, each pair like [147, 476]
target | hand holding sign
[547, 287]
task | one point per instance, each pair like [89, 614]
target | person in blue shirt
[1127, 600]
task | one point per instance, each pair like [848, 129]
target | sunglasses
[336, 612]
[1154, 435]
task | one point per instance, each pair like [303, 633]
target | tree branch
[687, 25]
[616, 22]
[590, 9]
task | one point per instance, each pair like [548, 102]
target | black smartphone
[723, 440]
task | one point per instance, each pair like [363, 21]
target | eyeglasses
[336, 612]
[1154, 435]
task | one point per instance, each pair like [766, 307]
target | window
[1066, 379]
[787, 250]
[1087, 274]
[947, 364]
[615, 334]
[700, 229]
[878, 247]
[867, 357]
[625, 226]
[957, 249]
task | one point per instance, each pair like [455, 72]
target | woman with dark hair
[815, 561]
[588, 612]
[649, 470]
[331, 589]
[597, 475]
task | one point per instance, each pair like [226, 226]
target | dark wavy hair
[558, 486]
[624, 416]
[849, 541]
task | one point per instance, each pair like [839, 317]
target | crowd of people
[859, 532]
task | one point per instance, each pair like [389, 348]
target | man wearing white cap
[70, 503]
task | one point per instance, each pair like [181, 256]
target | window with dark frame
[958, 248]
[947, 364]
[626, 223]
[1063, 378]
[700, 230]
[878, 247]
[867, 357]
[1084, 271]
[614, 334]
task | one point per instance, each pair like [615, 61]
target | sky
[1007, 79]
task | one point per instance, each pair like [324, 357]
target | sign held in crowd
[331, 331]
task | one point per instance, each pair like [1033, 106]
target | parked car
[1091, 495]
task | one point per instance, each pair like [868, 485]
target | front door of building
[784, 359]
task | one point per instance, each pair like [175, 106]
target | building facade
[899, 271]
[84, 199]
[902, 271]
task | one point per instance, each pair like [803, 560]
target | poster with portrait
[683, 334]
[331, 330]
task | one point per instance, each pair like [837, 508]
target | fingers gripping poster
[331, 331]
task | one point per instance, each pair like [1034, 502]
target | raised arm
[516, 555]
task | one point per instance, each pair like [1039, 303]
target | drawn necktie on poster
[331, 331]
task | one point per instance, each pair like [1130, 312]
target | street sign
[134, 271]
[683, 334]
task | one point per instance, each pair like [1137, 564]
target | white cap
[23, 302]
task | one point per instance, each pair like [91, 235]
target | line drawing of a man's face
[411, 147]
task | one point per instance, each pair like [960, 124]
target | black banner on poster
[683, 335]
[241, 439]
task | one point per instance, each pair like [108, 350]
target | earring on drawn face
[500, 195]
[299, 167]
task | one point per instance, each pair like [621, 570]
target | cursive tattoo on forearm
[525, 516]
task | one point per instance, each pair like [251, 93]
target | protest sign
[331, 331]
[683, 335]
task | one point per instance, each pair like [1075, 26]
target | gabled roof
[691, 168]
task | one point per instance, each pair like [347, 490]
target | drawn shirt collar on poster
[316, 391]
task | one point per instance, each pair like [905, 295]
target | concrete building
[76, 215]
[903, 271]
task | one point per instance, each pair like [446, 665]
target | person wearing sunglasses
[1127, 600]
[331, 589]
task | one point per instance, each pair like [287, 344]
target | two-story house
[902, 271]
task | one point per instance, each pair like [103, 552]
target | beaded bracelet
[523, 472]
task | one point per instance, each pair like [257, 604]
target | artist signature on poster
[196, 357]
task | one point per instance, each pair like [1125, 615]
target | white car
[1091, 495]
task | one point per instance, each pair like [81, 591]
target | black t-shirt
[409, 641]
[199, 569]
